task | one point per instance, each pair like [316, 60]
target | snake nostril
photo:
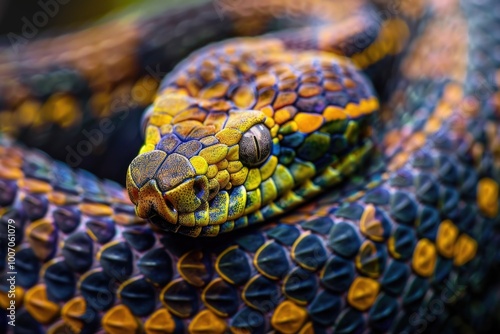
[200, 188]
[170, 205]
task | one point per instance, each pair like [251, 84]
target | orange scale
[193, 86]
[332, 113]
[308, 123]
[11, 173]
[443, 110]
[127, 220]
[265, 80]
[487, 197]
[268, 111]
[40, 236]
[307, 329]
[353, 110]
[217, 90]
[288, 318]
[207, 74]
[362, 293]
[35, 186]
[465, 250]
[266, 97]
[288, 85]
[160, 322]
[244, 97]
[398, 161]
[282, 115]
[433, 124]
[311, 79]
[96, 209]
[60, 198]
[424, 258]
[120, 320]
[207, 322]
[416, 141]
[446, 237]
[193, 114]
[39, 306]
[309, 90]
[72, 313]
[370, 226]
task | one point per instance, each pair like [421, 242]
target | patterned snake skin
[337, 176]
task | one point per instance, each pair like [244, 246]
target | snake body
[274, 191]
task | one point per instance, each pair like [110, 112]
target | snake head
[200, 171]
[242, 132]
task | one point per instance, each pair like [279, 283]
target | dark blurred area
[63, 14]
[52, 18]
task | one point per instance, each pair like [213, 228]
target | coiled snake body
[401, 194]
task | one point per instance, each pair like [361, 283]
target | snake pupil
[257, 148]
[255, 145]
[199, 189]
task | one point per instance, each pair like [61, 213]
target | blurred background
[72, 13]
[34, 104]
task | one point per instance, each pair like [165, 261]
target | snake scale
[337, 173]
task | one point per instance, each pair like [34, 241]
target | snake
[310, 167]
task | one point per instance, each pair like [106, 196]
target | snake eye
[255, 145]
[145, 119]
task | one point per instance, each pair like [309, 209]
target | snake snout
[165, 185]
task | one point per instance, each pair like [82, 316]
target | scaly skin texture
[406, 223]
